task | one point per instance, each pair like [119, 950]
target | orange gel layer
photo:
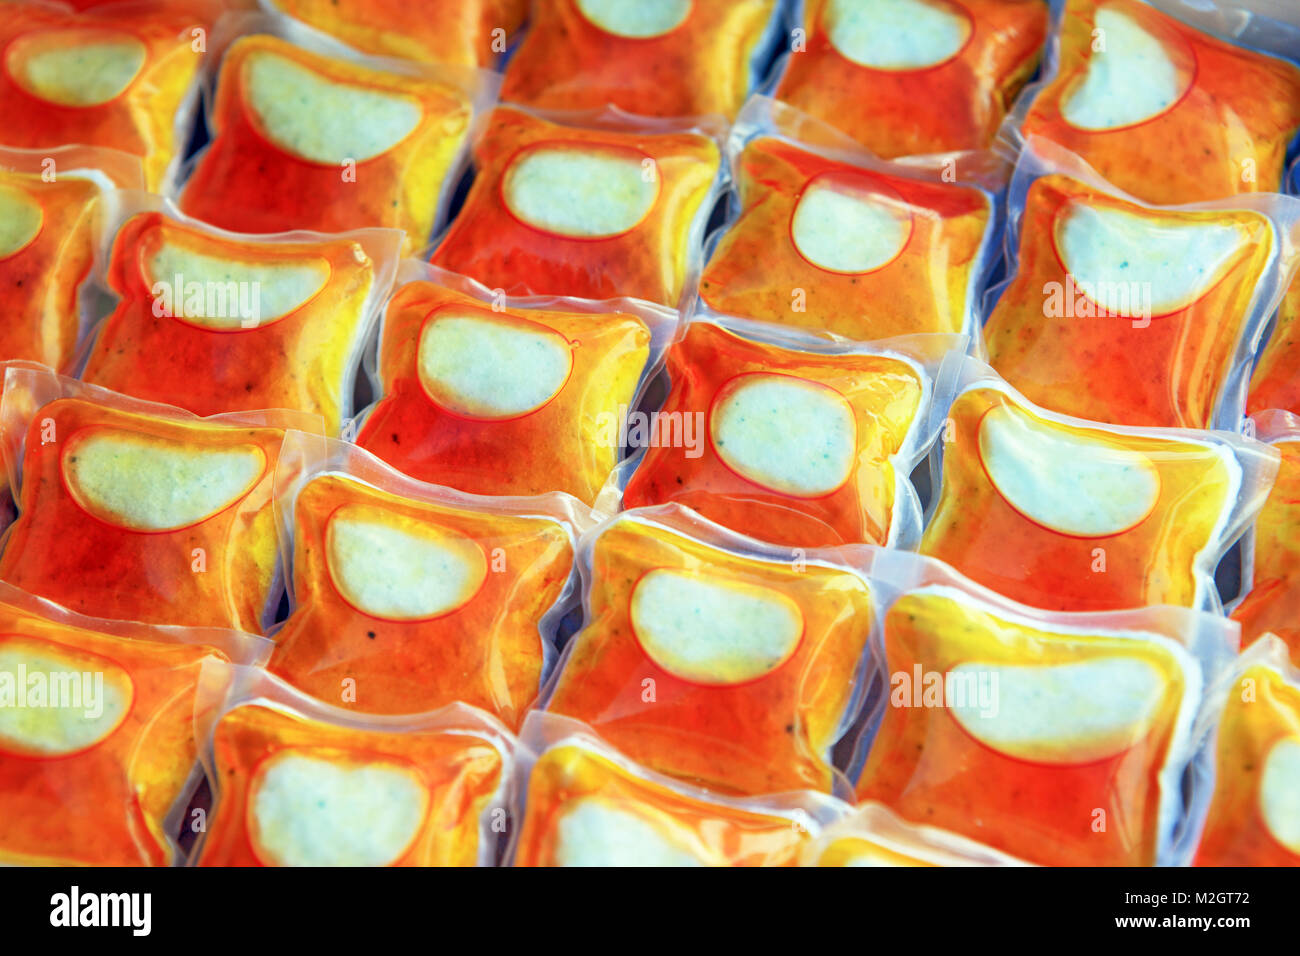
[1276, 381]
[1273, 602]
[41, 271]
[104, 803]
[881, 394]
[699, 64]
[91, 541]
[924, 287]
[246, 182]
[437, 31]
[299, 359]
[759, 716]
[459, 774]
[1129, 514]
[569, 443]
[646, 258]
[1032, 797]
[955, 104]
[1227, 132]
[1253, 738]
[1106, 361]
[482, 646]
[569, 778]
[49, 98]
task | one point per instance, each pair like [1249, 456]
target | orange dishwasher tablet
[1162, 110]
[1057, 739]
[714, 658]
[787, 439]
[1276, 379]
[307, 138]
[617, 209]
[1070, 515]
[297, 783]
[876, 836]
[838, 242]
[50, 234]
[135, 511]
[587, 805]
[407, 596]
[669, 58]
[97, 747]
[1132, 314]
[499, 396]
[906, 77]
[1271, 556]
[217, 322]
[1254, 815]
[119, 77]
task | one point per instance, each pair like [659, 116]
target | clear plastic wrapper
[509, 396]
[590, 204]
[792, 439]
[908, 77]
[309, 134]
[1119, 311]
[406, 596]
[1166, 111]
[876, 836]
[299, 783]
[1275, 382]
[670, 58]
[55, 206]
[122, 76]
[98, 756]
[1071, 515]
[713, 658]
[131, 510]
[214, 322]
[585, 804]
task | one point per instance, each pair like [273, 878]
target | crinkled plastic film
[135, 511]
[591, 204]
[671, 58]
[299, 783]
[792, 439]
[876, 836]
[1121, 312]
[585, 804]
[509, 396]
[216, 322]
[1070, 515]
[716, 659]
[97, 750]
[907, 78]
[1275, 382]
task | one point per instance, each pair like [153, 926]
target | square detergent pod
[98, 756]
[590, 204]
[714, 658]
[1123, 312]
[309, 134]
[876, 836]
[1167, 112]
[1270, 557]
[1251, 730]
[1275, 382]
[405, 596]
[215, 321]
[122, 76]
[668, 58]
[586, 804]
[136, 511]
[826, 237]
[1072, 515]
[462, 32]
[296, 782]
[55, 206]
[910, 77]
[792, 439]
[500, 395]
[1055, 738]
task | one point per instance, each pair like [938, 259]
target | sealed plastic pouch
[1275, 382]
[876, 836]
